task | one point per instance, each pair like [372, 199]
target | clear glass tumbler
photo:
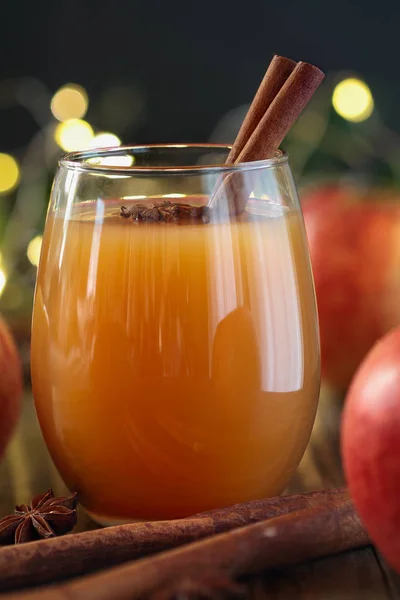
[175, 350]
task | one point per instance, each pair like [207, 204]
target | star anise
[46, 516]
[206, 588]
[164, 211]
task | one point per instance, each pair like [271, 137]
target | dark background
[182, 65]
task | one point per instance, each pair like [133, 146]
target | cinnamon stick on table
[71, 555]
[332, 527]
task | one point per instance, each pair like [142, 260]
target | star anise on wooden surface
[206, 588]
[46, 516]
[164, 211]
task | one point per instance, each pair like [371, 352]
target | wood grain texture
[28, 470]
[354, 575]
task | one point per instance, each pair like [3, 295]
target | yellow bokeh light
[33, 251]
[3, 281]
[69, 102]
[105, 140]
[352, 100]
[9, 173]
[73, 134]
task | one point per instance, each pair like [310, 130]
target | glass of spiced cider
[175, 352]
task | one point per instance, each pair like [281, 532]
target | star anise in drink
[46, 516]
[205, 588]
[164, 211]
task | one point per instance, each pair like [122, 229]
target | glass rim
[76, 160]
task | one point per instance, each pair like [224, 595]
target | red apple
[354, 239]
[10, 385]
[371, 444]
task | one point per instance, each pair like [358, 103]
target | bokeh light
[33, 251]
[105, 140]
[69, 102]
[74, 134]
[3, 281]
[352, 99]
[9, 173]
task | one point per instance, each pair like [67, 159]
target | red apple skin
[11, 385]
[371, 444]
[354, 240]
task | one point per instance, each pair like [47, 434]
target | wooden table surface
[27, 470]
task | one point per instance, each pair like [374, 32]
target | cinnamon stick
[282, 112]
[57, 558]
[277, 73]
[329, 528]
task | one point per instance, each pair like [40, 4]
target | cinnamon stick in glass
[277, 73]
[282, 113]
[329, 528]
[57, 558]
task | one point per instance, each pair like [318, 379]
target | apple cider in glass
[175, 363]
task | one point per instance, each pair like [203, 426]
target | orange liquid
[175, 367]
